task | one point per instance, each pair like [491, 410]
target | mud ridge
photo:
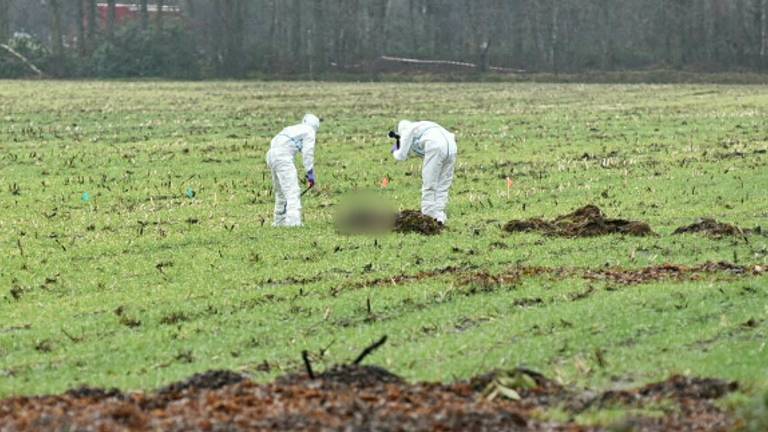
[713, 228]
[467, 276]
[412, 221]
[671, 272]
[358, 376]
[588, 221]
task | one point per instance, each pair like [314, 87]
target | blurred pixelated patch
[365, 212]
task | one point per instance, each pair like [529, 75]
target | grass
[140, 285]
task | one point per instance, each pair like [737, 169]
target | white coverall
[282, 151]
[438, 148]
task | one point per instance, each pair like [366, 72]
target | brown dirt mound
[210, 380]
[486, 281]
[356, 397]
[588, 221]
[347, 375]
[678, 388]
[695, 399]
[94, 393]
[713, 228]
[412, 221]
[682, 387]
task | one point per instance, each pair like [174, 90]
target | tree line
[238, 38]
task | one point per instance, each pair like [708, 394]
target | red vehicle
[127, 12]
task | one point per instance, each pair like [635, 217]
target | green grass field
[140, 285]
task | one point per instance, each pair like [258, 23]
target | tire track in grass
[467, 283]
[406, 308]
[618, 275]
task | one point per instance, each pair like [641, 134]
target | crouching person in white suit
[437, 146]
[280, 158]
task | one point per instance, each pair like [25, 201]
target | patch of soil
[670, 272]
[713, 228]
[588, 221]
[363, 398]
[487, 282]
[210, 380]
[412, 221]
[403, 278]
[695, 395]
[468, 276]
[347, 375]
[682, 387]
[94, 393]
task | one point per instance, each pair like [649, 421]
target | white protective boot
[437, 175]
[287, 193]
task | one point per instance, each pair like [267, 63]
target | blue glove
[396, 137]
[311, 179]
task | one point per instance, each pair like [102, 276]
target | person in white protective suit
[282, 151]
[438, 148]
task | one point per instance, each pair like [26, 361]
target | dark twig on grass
[72, 338]
[307, 364]
[366, 352]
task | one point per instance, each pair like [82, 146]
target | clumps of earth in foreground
[713, 228]
[358, 397]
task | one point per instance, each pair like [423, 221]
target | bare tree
[111, 17]
[190, 9]
[537, 35]
[145, 15]
[91, 18]
[274, 25]
[231, 48]
[379, 18]
[82, 46]
[160, 14]
[607, 44]
[319, 54]
[554, 36]
[764, 29]
[57, 39]
[5, 19]
[296, 33]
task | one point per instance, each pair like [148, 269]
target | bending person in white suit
[437, 146]
[282, 151]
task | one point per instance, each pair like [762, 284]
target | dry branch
[23, 59]
[446, 63]
[366, 352]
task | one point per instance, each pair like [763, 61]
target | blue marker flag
[190, 193]
[86, 197]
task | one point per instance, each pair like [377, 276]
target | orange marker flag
[510, 183]
[384, 182]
